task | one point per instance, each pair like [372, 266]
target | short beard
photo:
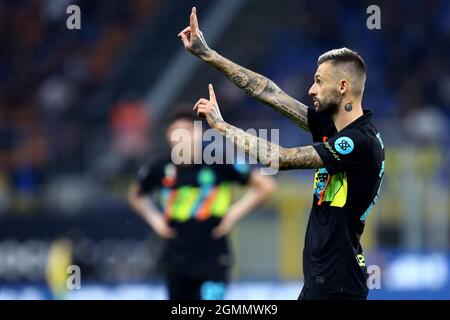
[330, 106]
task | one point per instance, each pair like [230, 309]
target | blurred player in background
[348, 154]
[195, 213]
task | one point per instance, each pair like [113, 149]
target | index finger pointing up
[212, 95]
[194, 22]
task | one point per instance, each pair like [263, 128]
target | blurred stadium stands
[79, 114]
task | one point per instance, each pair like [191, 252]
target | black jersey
[345, 191]
[194, 199]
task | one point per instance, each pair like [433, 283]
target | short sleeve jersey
[345, 190]
[193, 199]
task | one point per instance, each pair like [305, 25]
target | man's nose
[312, 92]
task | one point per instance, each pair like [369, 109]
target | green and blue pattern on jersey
[189, 202]
[332, 189]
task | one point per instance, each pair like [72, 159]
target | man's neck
[343, 117]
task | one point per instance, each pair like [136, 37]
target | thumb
[212, 95]
[184, 39]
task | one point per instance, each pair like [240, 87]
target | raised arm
[256, 85]
[264, 151]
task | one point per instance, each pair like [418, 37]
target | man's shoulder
[369, 143]
[370, 134]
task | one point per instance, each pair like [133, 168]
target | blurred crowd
[47, 73]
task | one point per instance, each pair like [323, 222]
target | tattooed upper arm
[251, 83]
[300, 158]
[262, 89]
[269, 93]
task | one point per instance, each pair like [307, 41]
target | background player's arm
[145, 208]
[251, 82]
[260, 149]
[260, 189]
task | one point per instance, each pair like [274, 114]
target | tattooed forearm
[253, 85]
[261, 88]
[265, 152]
[269, 153]
[300, 158]
[293, 110]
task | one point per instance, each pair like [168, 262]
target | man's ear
[343, 86]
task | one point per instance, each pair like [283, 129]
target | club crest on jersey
[344, 145]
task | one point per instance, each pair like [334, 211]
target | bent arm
[269, 153]
[142, 206]
[261, 187]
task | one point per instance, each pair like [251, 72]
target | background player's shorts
[187, 286]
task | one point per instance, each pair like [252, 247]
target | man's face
[324, 90]
[183, 128]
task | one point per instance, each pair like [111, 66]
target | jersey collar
[365, 118]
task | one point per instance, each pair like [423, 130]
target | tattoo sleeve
[261, 88]
[271, 154]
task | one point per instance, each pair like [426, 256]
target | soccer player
[347, 153]
[195, 212]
